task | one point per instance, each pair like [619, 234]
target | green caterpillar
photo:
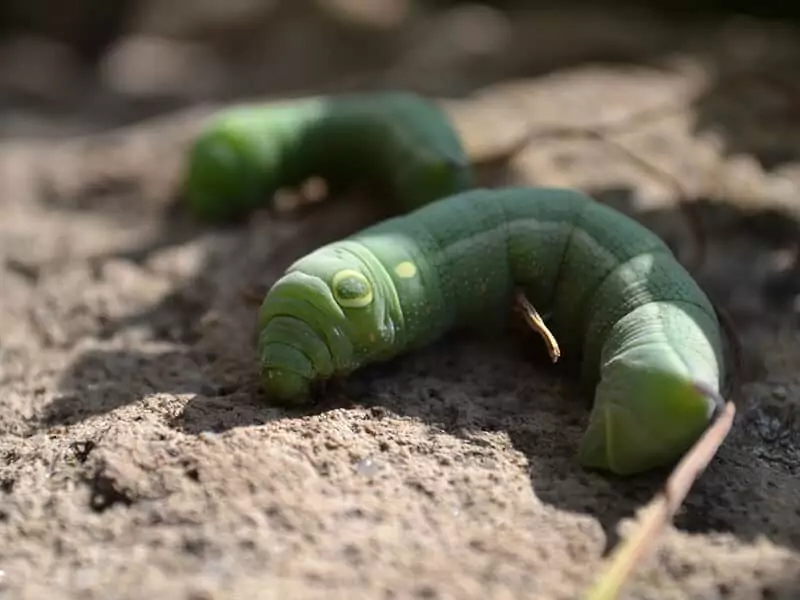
[648, 338]
[399, 139]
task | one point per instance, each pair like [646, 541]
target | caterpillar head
[224, 178]
[329, 314]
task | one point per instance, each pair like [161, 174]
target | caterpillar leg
[536, 322]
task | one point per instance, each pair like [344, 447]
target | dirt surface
[137, 459]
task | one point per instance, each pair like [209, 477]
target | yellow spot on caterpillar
[351, 289]
[406, 269]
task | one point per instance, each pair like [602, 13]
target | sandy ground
[137, 459]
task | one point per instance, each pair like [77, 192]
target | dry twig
[663, 507]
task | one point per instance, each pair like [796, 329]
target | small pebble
[367, 467]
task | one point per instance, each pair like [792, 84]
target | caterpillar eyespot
[400, 140]
[648, 338]
[351, 289]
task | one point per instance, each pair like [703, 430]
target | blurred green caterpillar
[398, 139]
[648, 337]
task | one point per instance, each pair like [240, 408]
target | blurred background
[71, 64]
